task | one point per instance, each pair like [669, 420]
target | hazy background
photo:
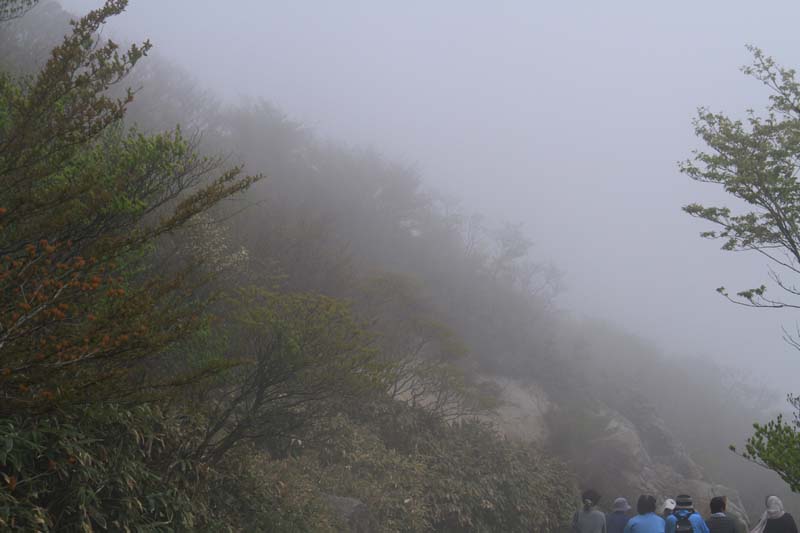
[569, 117]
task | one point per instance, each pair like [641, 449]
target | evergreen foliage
[82, 204]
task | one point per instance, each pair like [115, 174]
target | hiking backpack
[684, 525]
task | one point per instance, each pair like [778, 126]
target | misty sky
[568, 116]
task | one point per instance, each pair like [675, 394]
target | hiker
[589, 519]
[720, 521]
[684, 519]
[647, 521]
[669, 507]
[774, 519]
[616, 520]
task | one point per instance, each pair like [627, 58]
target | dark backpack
[684, 525]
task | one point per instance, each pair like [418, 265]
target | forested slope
[238, 347]
[185, 346]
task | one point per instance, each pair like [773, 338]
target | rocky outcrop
[625, 461]
[617, 454]
[523, 412]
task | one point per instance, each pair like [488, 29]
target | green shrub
[252, 492]
[116, 469]
[480, 481]
[103, 468]
[357, 463]
[446, 477]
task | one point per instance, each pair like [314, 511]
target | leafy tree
[83, 203]
[756, 160]
[301, 354]
[86, 296]
[776, 446]
[426, 363]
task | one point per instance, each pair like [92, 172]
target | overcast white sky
[569, 116]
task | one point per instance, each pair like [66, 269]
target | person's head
[774, 507]
[590, 498]
[718, 504]
[683, 502]
[774, 504]
[646, 504]
[621, 505]
[669, 507]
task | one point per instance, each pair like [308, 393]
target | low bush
[453, 477]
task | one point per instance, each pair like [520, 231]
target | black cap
[683, 501]
[590, 495]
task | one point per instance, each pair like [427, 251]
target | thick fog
[568, 117]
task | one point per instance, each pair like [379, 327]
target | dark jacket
[720, 523]
[784, 524]
[615, 522]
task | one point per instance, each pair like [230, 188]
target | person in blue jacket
[647, 521]
[684, 511]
